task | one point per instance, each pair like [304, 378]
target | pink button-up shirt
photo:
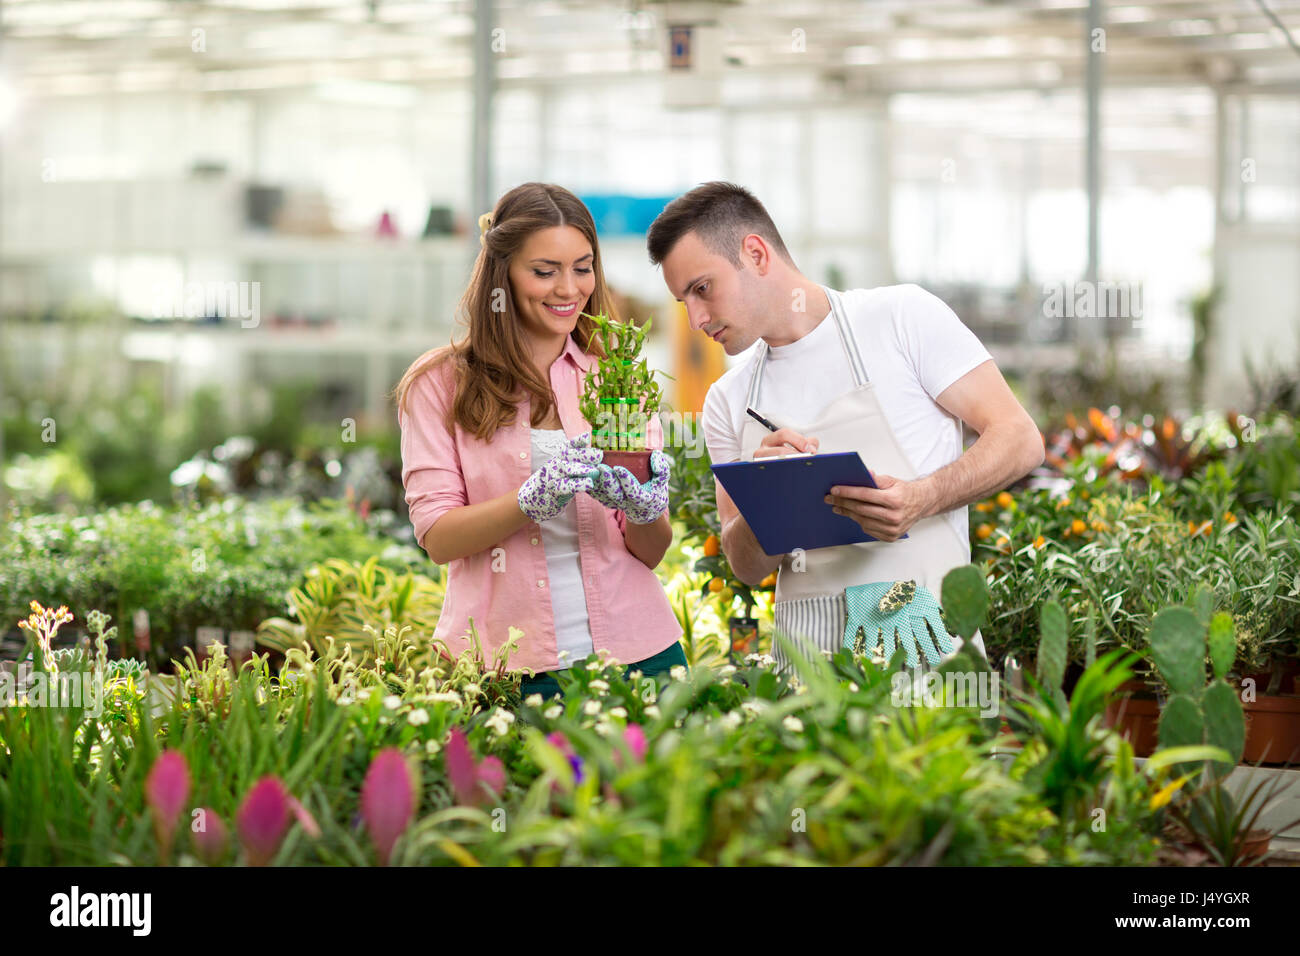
[627, 610]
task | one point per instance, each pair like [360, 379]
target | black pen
[761, 420]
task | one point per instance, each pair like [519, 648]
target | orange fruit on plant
[983, 531]
[1077, 526]
[1040, 542]
[1005, 500]
[716, 585]
[711, 545]
[769, 581]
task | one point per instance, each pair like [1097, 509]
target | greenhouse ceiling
[70, 46]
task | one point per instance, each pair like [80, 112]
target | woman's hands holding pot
[618, 488]
[550, 488]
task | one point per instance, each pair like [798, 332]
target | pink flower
[210, 838]
[166, 789]
[492, 774]
[387, 800]
[460, 767]
[305, 818]
[468, 778]
[263, 819]
[634, 737]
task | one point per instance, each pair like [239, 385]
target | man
[889, 372]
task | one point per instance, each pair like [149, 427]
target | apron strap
[759, 360]
[847, 340]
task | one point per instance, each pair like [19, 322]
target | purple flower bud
[210, 838]
[263, 819]
[492, 774]
[634, 737]
[387, 800]
[460, 767]
[166, 789]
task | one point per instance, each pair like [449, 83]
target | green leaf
[1225, 722]
[965, 600]
[1178, 648]
[1223, 644]
[1181, 723]
[1052, 643]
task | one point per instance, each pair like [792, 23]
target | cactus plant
[1197, 712]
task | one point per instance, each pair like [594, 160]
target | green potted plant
[620, 395]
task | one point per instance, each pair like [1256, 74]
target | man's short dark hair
[722, 215]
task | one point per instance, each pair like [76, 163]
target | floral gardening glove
[550, 488]
[618, 488]
[896, 610]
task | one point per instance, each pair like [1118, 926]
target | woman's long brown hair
[492, 361]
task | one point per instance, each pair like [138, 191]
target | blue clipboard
[783, 499]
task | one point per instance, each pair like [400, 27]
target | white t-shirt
[913, 347]
[563, 566]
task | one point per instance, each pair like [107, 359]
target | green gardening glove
[898, 610]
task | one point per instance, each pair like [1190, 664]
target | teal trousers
[546, 684]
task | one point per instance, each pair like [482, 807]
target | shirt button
[541, 584]
[523, 454]
[534, 540]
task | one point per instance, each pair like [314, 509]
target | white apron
[810, 606]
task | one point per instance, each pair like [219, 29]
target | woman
[500, 476]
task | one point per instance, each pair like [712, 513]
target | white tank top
[563, 567]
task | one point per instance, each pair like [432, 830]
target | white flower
[345, 698]
[677, 672]
[793, 724]
[533, 700]
[500, 721]
[418, 716]
[853, 687]
[591, 707]
[751, 708]
[594, 665]
[599, 686]
[726, 670]
[605, 728]
[730, 720]
[447, 697]
[760, 660]
[619, 712]
[652, 711]
[553, 712]
[472, 690]
[363, 694]
[392, 702]
[432, 747]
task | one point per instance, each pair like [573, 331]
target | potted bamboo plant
[620, 395]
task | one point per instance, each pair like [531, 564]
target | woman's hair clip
[484, 224]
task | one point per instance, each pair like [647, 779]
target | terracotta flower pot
[1272, 729]
[637, 462]
[1256, 844]
[1135, 713]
